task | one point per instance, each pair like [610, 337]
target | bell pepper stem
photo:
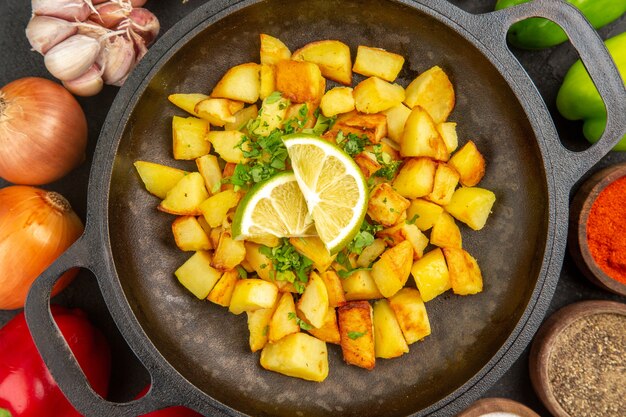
[5, 413]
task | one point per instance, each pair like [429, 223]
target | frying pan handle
[571, 166]
[58, 356]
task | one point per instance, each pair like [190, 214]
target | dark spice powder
[587, 367]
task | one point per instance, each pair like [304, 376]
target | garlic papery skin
[138, 3]
[88, 84]
[117, 59]
[144, 23]
[44, 32]
[110, 14]
[70, 10]
[72, 58]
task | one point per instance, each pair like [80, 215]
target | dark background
[546, 68]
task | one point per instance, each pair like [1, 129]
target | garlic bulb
[88, 84]
[72, 57]
[44, 32]
[144, 23]
[88, 43]
[117, 59]
[70, 10]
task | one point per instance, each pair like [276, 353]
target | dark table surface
[546, 68]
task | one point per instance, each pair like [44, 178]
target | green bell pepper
[578, 98]
[538, 32]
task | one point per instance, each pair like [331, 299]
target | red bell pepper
[26, 386]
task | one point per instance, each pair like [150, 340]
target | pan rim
[213, 11]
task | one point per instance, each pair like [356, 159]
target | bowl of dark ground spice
[597, 236]
[578, 360]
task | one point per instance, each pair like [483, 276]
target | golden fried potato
[209, 168]
[374, 95]
[313, 248]
[187, 102]
[222, 292]
[158, 179]
[252, 294]
[189, 235]
[377, 62]
[388, 338]
[472, 206]
[421, 138]
[226, 144]
[299, 81]
[241, 83]
[337, 100]
[445, 233]
[360, 285]
[423, 213]
[367, 163]
[415, 178]
[242, 117]
[431, 275]
[396, 119]
[229, 253]
[214, 208]
[267, 81]
[273, 50]
[283, 320]
[357, 334]
[314, 302]
[392, 270]
[333, 58]
[445, 181]
[373, 126]
[465, 275]
[186, 197]
[218, 111]
[433, 91]
[386, 206]
[329, 332]
[447, 130]
[190, 137]
[336, 296]
[258, 326]
[411, 314]
[469, 163]
[197, 274]
[299, 355]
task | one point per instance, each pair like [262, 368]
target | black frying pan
[197, 353]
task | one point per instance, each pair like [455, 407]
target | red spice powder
[606, 230]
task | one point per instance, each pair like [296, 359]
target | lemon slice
[275, 207]
[333, 187]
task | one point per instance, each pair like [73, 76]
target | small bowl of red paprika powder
[597, 238]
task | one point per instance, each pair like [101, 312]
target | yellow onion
[36, 227]
[43, 131]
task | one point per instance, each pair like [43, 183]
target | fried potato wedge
[229, 253]
[472, 206]
[258, 326]
[209, 168]
[357, 334]
[272, 50]
[374, 95]
[187, 102]
[415, 178]
[190, 137]
[283, 320]
[185, 198]
[423, 213]
[240, 83]
[242, 117]
[336, 296]
[376, 62]
[410, 311]
[444, 183]
[337, 100]
[313, 302]
[267, 81]
[445, 232]
[447, 130]
[299, 355]
[189, 235]
[433, 91]
[313, 248]
[329, 332]
[333, 58]
[214, 208]
[392, 270]
[222, 292]
[396, 119]
[300, 81]
[158, 179]
[226, 144]
[197, 274]
[431, 275]
[465, 275]
[360, 285]
[421, 138]
[469, 163]
[388, 338]
[386, 206]
[218, 111]
[252, 294]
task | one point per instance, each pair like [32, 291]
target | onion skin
[36, 227]
[43, 131]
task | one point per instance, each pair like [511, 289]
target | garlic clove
[144, 23]
[88, 84]
[138, 3]
[117, 59]
[110, 14]
[44, 32]
[72, 57]
[70, 10]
